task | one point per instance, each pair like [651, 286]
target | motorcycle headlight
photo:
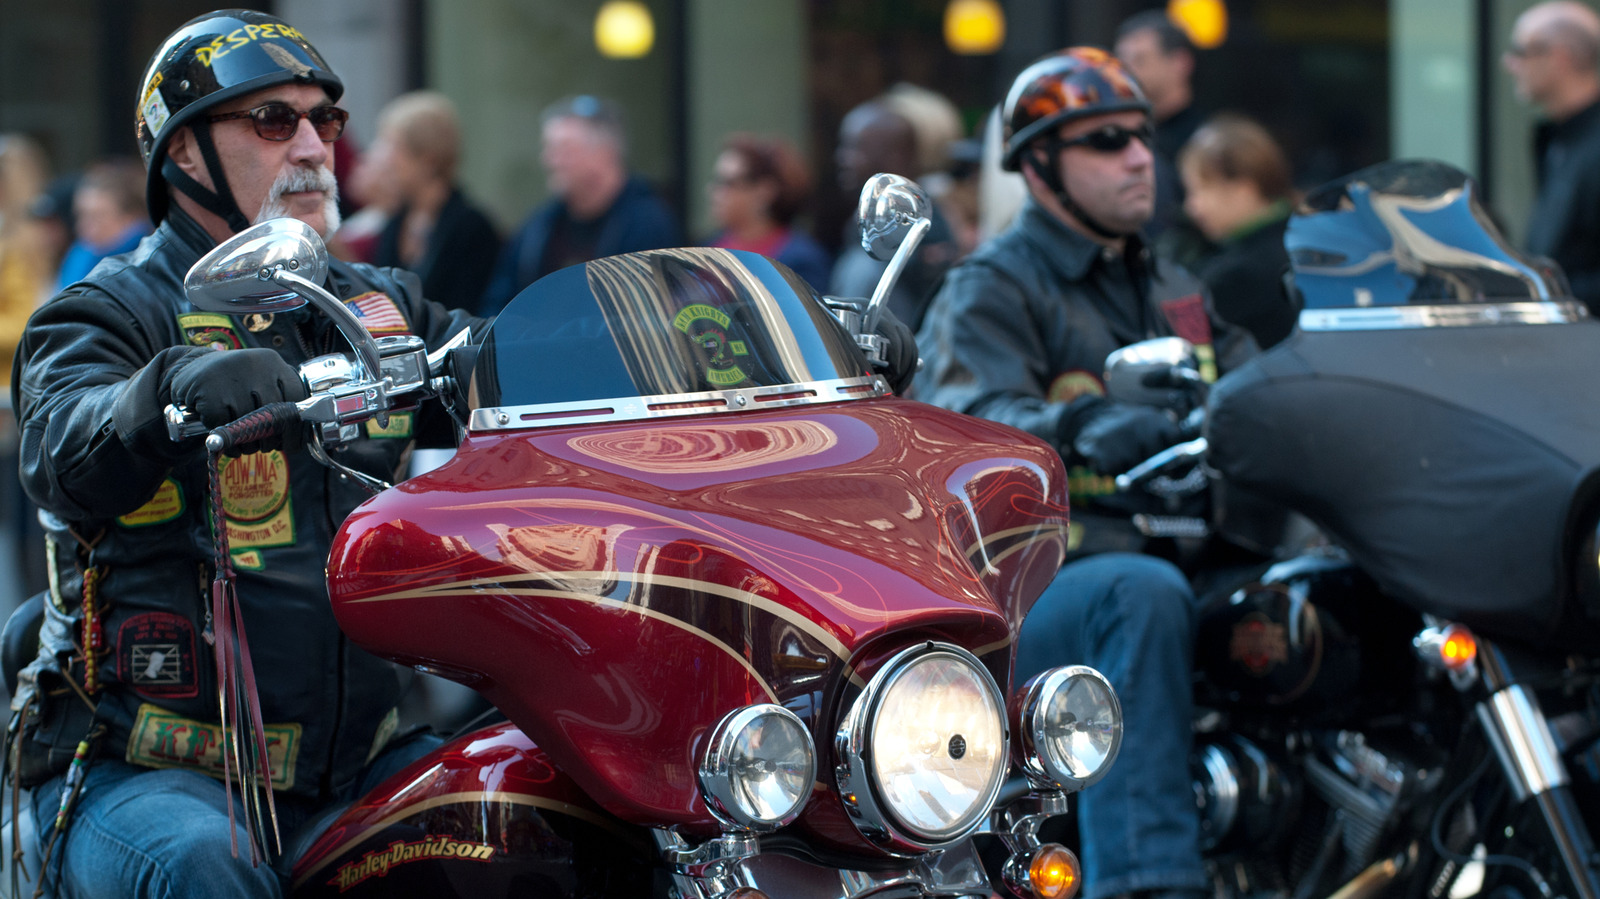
[922, 752]
[1069, 724]
[758, 768]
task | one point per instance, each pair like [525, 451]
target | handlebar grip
[271, 419]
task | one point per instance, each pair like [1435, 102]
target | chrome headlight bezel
[1043, 767]
[718, 775]
[859, 789]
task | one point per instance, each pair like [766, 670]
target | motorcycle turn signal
[1051, 872]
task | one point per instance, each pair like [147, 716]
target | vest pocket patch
[161, 739]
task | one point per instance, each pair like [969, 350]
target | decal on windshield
[707, 326]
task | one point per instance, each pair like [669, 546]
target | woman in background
[757, 188]
[1239, 192]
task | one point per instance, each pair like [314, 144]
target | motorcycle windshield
[697, 325]
[1409, 232]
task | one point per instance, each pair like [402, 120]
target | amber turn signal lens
[1459, 648]
[1054, 872]
[747, 893]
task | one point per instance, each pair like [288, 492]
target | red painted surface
[616, 589]
[479, 766]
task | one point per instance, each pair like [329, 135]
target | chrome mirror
[890, 206]
[236, 277]
[1147, 372]
[276, 266]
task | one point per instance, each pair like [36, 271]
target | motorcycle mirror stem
[276, 266]
[895, 215]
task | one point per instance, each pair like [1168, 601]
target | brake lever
[1192, 449]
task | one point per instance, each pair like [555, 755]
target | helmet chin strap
[219, 202]
[1050, 173]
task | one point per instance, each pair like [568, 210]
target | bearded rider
[1019, 333]
[119, 711]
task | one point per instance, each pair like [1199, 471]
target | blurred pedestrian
[24, 275]
[52, 213]
[109, 217]
[435, 232]
[597, 208]
[25, 266]
[1554, 59]
[757, 188]
[1238, 193]
[881, 136]
[1162, 59]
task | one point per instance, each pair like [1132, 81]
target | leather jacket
[123, 501]
[1021, 329]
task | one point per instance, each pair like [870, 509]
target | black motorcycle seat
[19, 642]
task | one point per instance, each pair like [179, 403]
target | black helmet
[1060, 87]
[1408, 232]
[209, 61]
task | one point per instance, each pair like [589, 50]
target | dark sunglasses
[1112, 138]
[279, 121]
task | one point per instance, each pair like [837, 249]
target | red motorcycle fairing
[616, 589]
[484, 815]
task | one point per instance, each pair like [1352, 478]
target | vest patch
[399, 427]
[209, 329]
[155, 655]
[255, 500]
[166, 505]
[161, 739]
[1069, 385]
[378, 314]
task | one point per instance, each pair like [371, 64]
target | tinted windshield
[660, 323]
[1408, 232]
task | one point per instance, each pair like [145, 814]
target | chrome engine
[1317, 807]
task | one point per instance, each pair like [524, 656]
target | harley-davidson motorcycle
[749, 617]
[1411, 708]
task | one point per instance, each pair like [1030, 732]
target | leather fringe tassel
[244, 746]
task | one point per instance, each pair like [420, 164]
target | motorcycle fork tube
[1528, 754]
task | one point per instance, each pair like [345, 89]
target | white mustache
[300, 179]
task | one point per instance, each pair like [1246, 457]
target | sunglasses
[279, 121]
[1112, 138]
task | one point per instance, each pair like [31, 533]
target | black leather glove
[900, 353]
[1114, 437]
[222, 386]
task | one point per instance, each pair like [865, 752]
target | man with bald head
[878, 137]
[1554, 58]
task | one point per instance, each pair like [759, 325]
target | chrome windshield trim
[641, 408]
[1383, 318]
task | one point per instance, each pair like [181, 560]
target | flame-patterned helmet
[1060, 87]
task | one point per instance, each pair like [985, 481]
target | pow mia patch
[155, 655]
[209, 329]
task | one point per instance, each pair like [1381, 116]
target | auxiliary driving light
[1070, 727]
[758, 769]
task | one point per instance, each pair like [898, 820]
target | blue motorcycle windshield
[1409, 232]
[660, 323]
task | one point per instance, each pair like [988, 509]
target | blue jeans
[1133, 618]
[164, 833]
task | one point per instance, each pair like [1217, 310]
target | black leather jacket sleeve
[91, 377]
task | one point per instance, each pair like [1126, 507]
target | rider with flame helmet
[1019, 333]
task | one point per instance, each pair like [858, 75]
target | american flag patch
[378, 314]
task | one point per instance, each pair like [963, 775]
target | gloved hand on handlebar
[222, 386]
[1113, 437]
[900, 353]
